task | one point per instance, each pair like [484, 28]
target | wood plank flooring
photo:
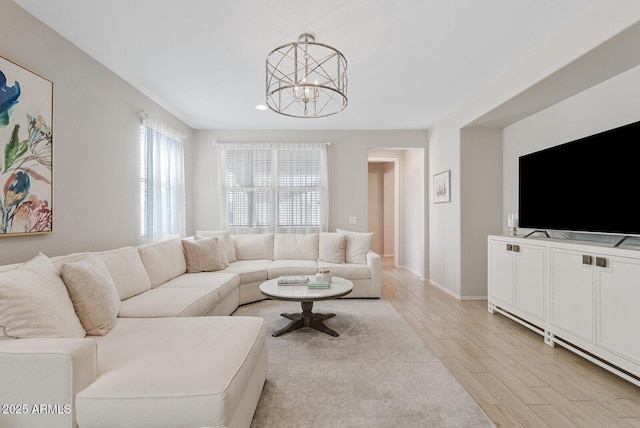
[507, 369]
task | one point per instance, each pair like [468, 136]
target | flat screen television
[588, 185]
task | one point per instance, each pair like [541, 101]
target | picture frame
[442, 187]
[26, 151]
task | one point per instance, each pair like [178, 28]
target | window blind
[275, 188]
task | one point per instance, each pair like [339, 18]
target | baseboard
[446, 290]
[474, 298]
[422, 278]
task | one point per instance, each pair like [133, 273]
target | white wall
[481, 205]
[415, 222]
[613, 103]
[95, 143]
[389, 196]
[348, 177]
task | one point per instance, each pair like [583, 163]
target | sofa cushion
[250, 271]
[292, 267]
[170, 302]
[332, 247]
[179, 372]
[225, 238]
[163, 260]
[357, 245]
[34, 302]
[254, 246]
[347, 270]
[204, 254]
[127, 271]
[93, 293]
[223, 283]
[295, 246]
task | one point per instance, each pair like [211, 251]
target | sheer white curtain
[274, 187]
[161, 182]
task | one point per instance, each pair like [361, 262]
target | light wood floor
[508, 370]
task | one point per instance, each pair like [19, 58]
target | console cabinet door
[501, 272]
[619, 307]
[516, 276]
[573, 292]
[530, 279]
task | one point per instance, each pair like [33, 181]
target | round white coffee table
[306, 296]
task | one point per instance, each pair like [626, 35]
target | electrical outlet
[353, 220]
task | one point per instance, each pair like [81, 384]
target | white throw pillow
[357, 245]
[225, 236]
[333, 247]
[93, 293]
[204, 255]
[34, 302]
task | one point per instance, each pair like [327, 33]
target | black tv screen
[587, 185]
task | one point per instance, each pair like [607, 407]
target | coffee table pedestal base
[307, 319]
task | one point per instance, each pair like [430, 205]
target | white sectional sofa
[152, 358]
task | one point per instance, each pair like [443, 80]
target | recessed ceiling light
[261, 107]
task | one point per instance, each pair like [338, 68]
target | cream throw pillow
[357, 245]
[93, 293]
[34, 302]
[333, 247]
[204, 255]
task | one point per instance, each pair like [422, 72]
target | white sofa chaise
[160, 363]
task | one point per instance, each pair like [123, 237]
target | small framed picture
[442, 187]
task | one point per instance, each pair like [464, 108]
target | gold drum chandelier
[306, 79]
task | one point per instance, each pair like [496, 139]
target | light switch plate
[353, 220]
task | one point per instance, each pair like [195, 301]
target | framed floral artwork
[26, 151]
[442, 187]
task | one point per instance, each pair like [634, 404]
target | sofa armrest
[374, 263]
[40, 378]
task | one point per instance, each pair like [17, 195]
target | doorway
[410, 221]
[384, 207]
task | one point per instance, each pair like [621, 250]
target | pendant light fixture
[306, 79]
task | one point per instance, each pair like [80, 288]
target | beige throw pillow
[225, 237]
[204, 255]
[333, 247]
[357, 245]
[34, 302]
[222, 251]
[93, 293]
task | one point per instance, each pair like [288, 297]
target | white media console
[580, 295]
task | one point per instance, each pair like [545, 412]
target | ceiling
[410, 62]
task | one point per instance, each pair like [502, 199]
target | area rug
[377, 373]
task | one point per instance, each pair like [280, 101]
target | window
[161, 182]
[275, 188]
